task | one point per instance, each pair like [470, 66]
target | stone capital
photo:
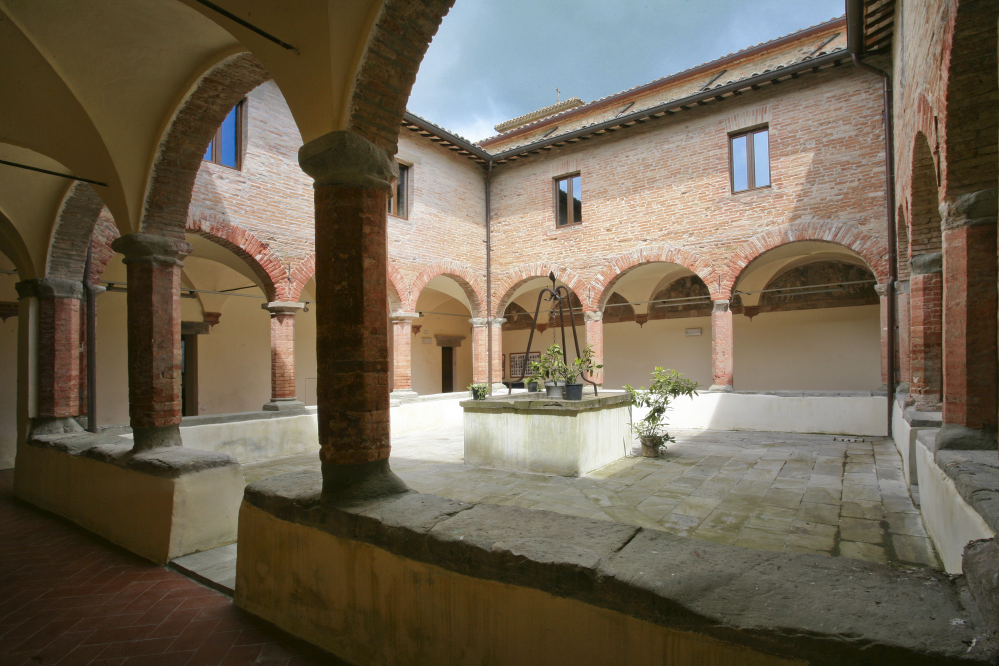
[147, 248]
[346, 158]
[498, 321]
[901, 286]
[925, 264]
[593, 315]
[282, 307]
[970, 210]
[881, 290]
[399, 317]
[479, 321]
[720, 306]
[49, 288]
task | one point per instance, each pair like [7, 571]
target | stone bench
[160, 504]
[416, 578]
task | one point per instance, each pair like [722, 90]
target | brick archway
[460, 273]
[872, 250]
[396, 46]
[300, 275]
[241, 242]
[104, 233]
[75, 223]
[397, 292]
[519, 276]
[603, 285]
[191, 130]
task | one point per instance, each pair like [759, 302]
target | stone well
[531, 433]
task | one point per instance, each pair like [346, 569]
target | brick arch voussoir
[517, 277]
[398, 294]
[460, 273]
[244, 244]
[191, 130]
[78, 216]
[603, 285]
[872, 250]
[300, 275]
[391, 59]
[105, 232]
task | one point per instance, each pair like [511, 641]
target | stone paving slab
[780, 492]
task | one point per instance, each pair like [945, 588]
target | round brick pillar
[58, 352]
[594, 323]
[402, 353]
[882, 292]
[352, 180]
[722, 343]
[153, 266]
[925, 333]
[496, 332]
[283, 356]
[903, 366]
[969, 321]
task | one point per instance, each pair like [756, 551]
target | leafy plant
[537, 373]
[552, 365]
[667, 385]
[479, 391]
[584, 365]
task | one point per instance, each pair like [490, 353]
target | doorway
[447, 369]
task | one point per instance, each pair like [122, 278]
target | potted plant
[479, 391]
[537, 376]
[554, 371]
[583, 366]
[667, 385]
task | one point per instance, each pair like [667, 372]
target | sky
[493, 60]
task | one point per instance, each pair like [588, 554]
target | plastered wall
[427, 356]
[8, 371]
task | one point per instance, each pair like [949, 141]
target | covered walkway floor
[70, 598]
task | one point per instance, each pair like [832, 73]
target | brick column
[352, 181]
[722, 343]
[882, 291]
[925, 293]
[283, 356]
[154, 392]
[480, 347]
[902, 340]
[496, 330]
[594, 323]
[58, 353]
[402, 353]
[969, 321]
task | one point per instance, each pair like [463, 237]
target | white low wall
[950, 521]
[259, 439]
[834, 415]
[428, 413]
[904, 436]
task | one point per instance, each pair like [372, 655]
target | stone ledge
[816, 394]
[917, 419]
[169, 462]
[543, 405]
[824, 610]
[976, 477]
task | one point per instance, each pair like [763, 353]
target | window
[568, 201]
[398, 203]
[750, 159]
[226, 147]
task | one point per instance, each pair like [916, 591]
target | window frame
[570, 209]
[750, 159]
[405, 175]
[216, 143]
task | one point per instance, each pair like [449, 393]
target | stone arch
[241, 242]
[460, 273]
[183, 146]
[396, 46]
[924, 225]
[971, 129]
[603, 284]
[75, 223]
[518, 276]
[874, 251]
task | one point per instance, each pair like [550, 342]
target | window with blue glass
[749, 158]
[226, 146]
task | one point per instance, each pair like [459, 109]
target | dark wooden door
[447, 369]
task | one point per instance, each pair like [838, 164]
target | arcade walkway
[70, 598]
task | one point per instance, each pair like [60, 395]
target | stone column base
[286, 405]
[498, 387]
[403, 394]
[955, 436]
[721, 388]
